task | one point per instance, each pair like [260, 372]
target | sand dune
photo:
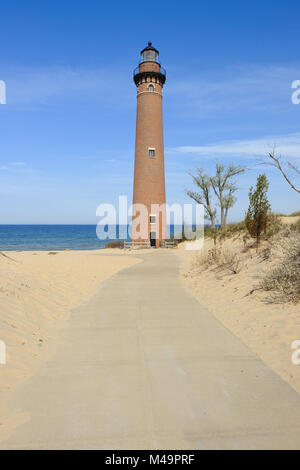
[268, 328]
[290, 219]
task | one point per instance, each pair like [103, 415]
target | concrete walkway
[143, 365]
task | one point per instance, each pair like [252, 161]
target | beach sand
[38, 291]
[267, 328]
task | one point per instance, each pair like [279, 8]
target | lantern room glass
[149, 56]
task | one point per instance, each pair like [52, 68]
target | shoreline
[61, 250]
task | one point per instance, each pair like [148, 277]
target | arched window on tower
[150, 87]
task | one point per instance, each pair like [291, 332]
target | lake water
[53, 237]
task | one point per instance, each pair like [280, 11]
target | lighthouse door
[152, 238]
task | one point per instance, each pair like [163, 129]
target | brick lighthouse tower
[149, 173]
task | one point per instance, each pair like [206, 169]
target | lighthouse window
[150, 87]
[149, 56]
[151, 153]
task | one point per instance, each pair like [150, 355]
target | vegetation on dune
[224, 187]
[204, 184]
[295, 227]
[284, 280]
[228, 231]
[220, 258]
[295, 214]
[221, 185]
[273, 226]
[275, 241]
[259, 209]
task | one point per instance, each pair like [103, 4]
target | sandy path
[143, 365]
[38, 290]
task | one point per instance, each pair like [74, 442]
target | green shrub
[259, 209]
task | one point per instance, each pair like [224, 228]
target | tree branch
[277, 164]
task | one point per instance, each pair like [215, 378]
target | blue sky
[67, 130]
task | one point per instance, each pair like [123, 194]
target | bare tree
[229, 201]
[203, 182]
[276, 162]
[224, 187]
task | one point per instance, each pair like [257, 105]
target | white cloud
[287, 146]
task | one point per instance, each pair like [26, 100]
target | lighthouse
[149, 173]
